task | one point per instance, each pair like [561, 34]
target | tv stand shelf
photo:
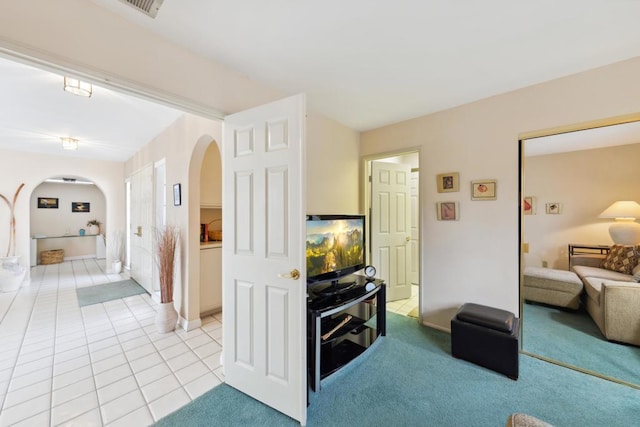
[343, 325]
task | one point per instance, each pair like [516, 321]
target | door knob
[407, 238]
[293, 274]
[139, 232]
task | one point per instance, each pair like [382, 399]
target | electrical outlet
[545, 264]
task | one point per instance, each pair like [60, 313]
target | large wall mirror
[568, 178]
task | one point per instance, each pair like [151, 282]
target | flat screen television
[335, 247]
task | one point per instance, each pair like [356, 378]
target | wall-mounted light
[78, 87]
[64, 180]
[625, 231]
[69, 143]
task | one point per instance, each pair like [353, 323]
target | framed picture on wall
[177, 195]
[553, 208]
[448, 211]
[529, 205]
[484, 190]
[448, 182]
[80, 207]
[47, 203]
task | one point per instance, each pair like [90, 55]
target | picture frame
[553, 208]
[448, 211]
[448, 182]
[47, 203]
[485, 189]
[529, 205]
[80, 207]
[177, 194]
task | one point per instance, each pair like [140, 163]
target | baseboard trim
[73, 258]
[438, 327]
[189, 325]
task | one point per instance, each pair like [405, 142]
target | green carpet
[108, 292]
[573, 337]
[409, 378]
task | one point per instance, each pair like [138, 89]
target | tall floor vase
[166, 318]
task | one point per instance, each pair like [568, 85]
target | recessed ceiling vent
[148, 7]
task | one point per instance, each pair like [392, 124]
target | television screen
[335, 246]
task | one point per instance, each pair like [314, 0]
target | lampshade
[69, 143]
[622, 210]
[78, 87]
[625, 231]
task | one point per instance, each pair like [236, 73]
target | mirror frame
[611, 121]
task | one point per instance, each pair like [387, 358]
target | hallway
[408, 306]
[101, 364]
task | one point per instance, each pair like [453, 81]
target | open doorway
[68, 220]
[393, 203]
[211, 232]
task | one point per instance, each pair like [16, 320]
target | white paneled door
[264, 278]
[391, 227]
[415, 228]
[141, 232]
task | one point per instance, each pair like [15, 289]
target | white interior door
[141, 232]
[391, 227]
[415, 228]
[263, 224]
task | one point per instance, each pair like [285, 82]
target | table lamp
[625, 231]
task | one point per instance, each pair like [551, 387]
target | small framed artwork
[448, 211]
[529, 205]
[484, 190]
[448, 182]
[177, 195]
[80, 207]
[553, 208]
[47, 203]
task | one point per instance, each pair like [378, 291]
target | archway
[61, 210]
[205, 208]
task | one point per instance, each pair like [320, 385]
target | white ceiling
[363, 63]
[370, 63]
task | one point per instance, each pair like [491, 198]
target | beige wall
[332, 167]
[33, 169]
[476, 259]
[585, 183]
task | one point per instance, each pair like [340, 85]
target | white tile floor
[102, 364]
[404, 306]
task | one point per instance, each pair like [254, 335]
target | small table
[588, 251]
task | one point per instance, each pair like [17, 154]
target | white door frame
[366, 202]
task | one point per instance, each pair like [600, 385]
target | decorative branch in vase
[11, 250]
[166, 244]
[11, 272]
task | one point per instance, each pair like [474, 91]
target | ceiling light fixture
[68, 181]
[69, 143]
[78, 87]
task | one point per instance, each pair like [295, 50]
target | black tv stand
[342, 325]
[336, 287]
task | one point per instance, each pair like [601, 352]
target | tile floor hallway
[102, 364]
[404, 306]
